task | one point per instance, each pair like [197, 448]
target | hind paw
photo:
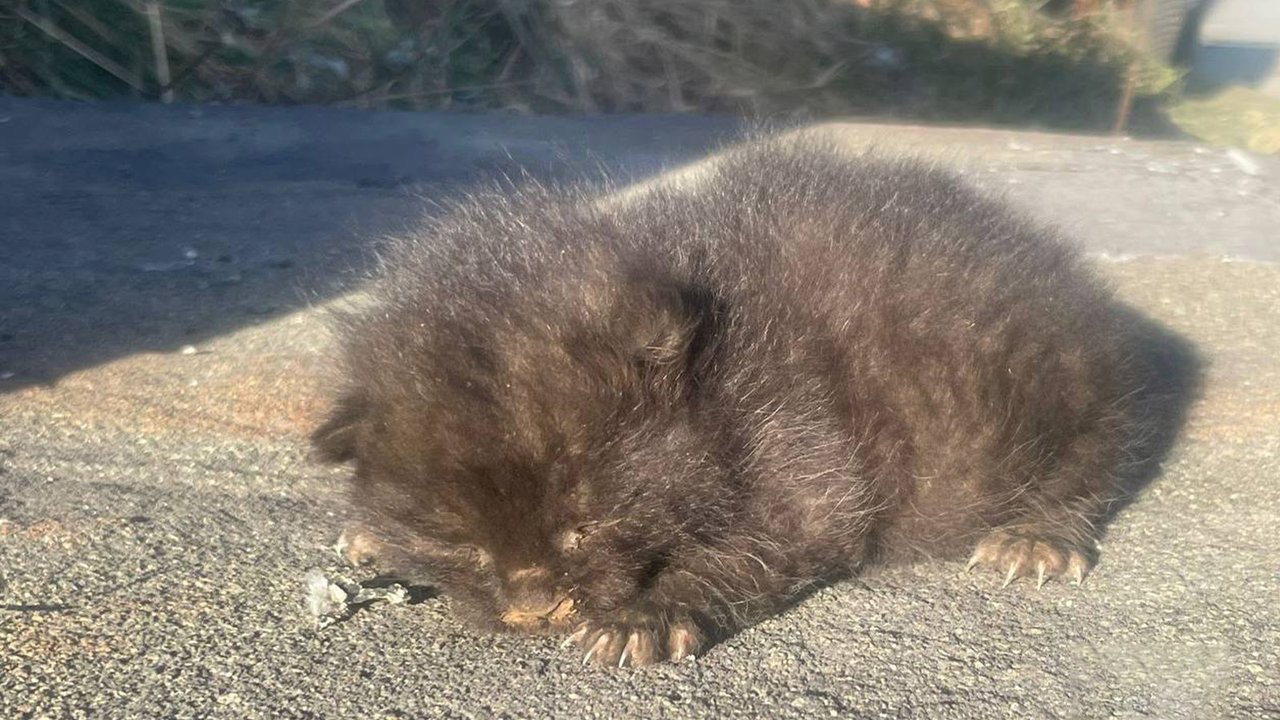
[1019, 554]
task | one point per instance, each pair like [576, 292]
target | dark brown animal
[658, 419]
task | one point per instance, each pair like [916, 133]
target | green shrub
[992, 60]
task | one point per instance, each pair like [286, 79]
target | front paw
[359, 546]
[1027, 553]
[637, 638]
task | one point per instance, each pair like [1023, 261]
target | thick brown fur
[659, 419]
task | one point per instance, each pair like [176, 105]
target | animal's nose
[516, 611]
[546, 615]
[533, 600]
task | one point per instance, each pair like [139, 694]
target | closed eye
[459, 553]
[478, 556]
[571, 540]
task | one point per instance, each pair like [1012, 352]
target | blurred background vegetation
[997, 61]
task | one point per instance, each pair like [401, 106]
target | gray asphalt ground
[162, 272]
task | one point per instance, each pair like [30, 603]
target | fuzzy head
[538, 453]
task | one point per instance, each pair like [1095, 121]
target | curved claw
[575, 637]
[630, 651]
[683, 644]
[1011, 576]
[1077, 573]
[600, 642]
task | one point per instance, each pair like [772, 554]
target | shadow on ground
[115, 242]
[1172, 371]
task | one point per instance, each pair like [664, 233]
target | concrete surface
[160, 345]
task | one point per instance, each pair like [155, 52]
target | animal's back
[976, 364]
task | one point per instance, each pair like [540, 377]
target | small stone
[188, 350]
[332, 597]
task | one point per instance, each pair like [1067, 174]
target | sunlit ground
[1236, 116]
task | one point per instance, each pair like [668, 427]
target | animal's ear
[335, 440]
[667, 321]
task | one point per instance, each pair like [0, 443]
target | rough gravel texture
[161, 349]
